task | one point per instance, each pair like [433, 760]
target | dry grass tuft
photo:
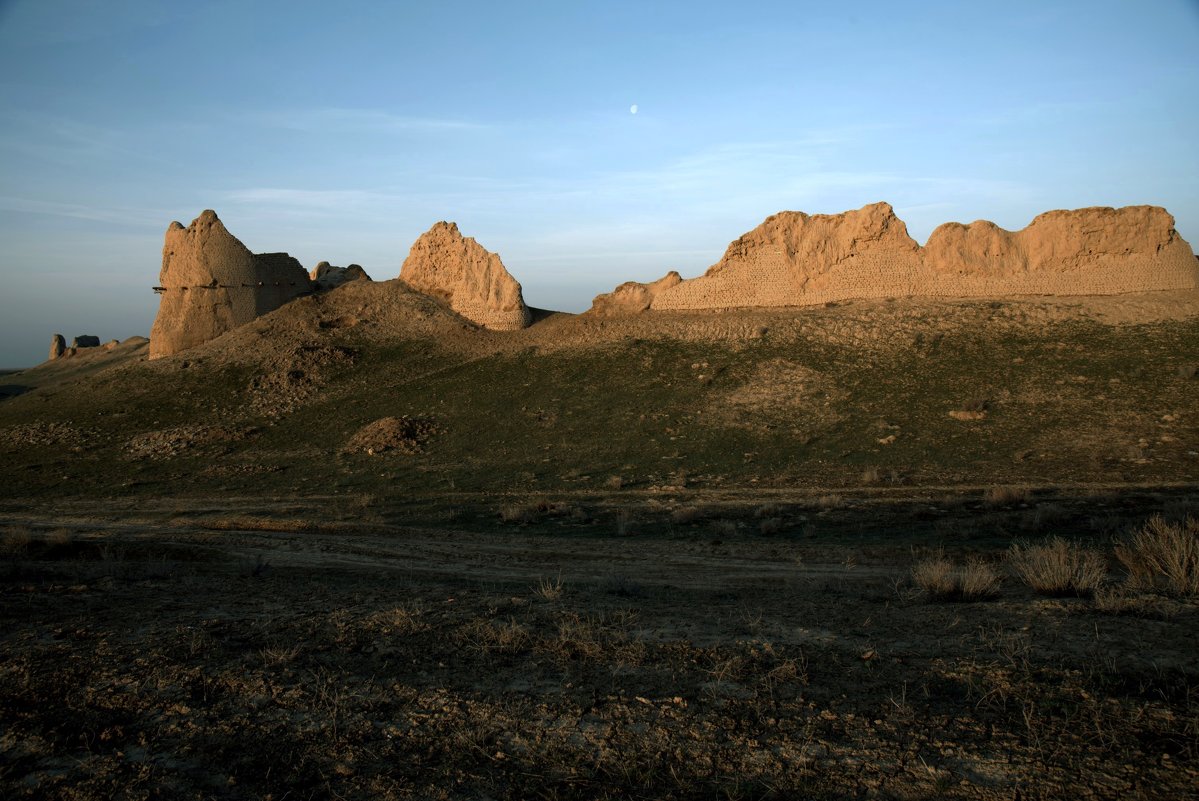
[548, 589]
[1007, 496]
[614, 483]
[872, 475]
[1059, 568]
[494, 636]
[941, 580]
[1163, 556]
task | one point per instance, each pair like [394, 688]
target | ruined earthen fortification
[325, 276]
[472, 279]
[210, 283]
[795, 259]
[58, 346]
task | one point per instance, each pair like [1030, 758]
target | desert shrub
[771, 525]
[872, 475]
[1006, 496]
[1163, 556]
[614, 483]
[685, 515]
[941, 580]
[1059, 568]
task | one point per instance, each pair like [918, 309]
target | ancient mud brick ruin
[211, 283]
[472, 279]
[795, 259]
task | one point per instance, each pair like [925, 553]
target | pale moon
[633, 109]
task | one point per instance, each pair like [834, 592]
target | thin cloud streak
[353, 120]
[121, 215]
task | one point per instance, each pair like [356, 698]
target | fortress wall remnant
[794, 259]
[325, 276]
[633, 296]
[472, 279]
[211, 283]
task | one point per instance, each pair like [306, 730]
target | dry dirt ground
[361, 549]
[239, 647]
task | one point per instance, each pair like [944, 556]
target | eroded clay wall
[1083, 252]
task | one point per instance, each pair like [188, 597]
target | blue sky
[342, 131]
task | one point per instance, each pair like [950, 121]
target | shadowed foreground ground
[603, 648]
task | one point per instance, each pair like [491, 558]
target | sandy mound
[403, 434]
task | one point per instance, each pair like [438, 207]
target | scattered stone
[41, 434]
[171, 442]
[294, 377]
[961, 414]
[473, 280]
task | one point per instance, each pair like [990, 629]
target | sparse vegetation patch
[1059, 567]
[1163, 556]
